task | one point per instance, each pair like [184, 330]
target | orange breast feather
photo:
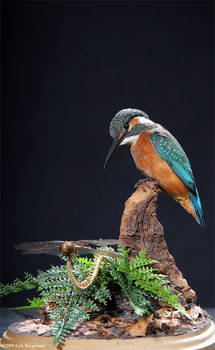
[151, 164]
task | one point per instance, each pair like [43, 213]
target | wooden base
[204, 339]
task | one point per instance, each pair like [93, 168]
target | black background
[68, 67]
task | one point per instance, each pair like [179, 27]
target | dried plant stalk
[91, 276]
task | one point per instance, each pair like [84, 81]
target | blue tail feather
[198, 207]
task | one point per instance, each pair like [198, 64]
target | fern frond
[18, 285]
[34, 303]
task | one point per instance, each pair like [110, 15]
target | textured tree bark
[141, 229]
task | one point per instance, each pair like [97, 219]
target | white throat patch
[129, 140]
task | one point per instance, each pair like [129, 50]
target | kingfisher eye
[126, 125]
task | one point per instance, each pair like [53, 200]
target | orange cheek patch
[134, 121]
[122, 133]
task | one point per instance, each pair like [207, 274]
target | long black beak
[113, 149]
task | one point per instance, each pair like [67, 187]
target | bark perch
[140, 229]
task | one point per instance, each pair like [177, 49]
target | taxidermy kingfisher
[158, 155]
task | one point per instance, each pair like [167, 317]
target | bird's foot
[144, 181]
[140, 182]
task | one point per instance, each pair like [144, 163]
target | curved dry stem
[91, 276]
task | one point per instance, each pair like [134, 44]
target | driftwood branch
[140, 229]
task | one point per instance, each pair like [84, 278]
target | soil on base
[118, 320]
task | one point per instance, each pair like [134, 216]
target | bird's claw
[140, 182]
[145, 181]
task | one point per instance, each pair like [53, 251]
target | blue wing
[171, 151]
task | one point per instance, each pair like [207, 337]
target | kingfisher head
[125, 127]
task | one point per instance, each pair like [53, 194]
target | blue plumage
[171, 151]
[198, 207]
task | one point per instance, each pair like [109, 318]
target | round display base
[199, 340]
